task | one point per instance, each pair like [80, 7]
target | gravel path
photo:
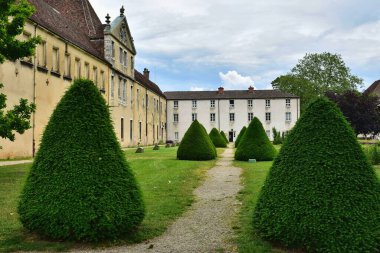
[207, 226]
[6, 163]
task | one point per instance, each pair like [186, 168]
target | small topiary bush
[240, 136]
[217, 139]
[255, 144]
[224, 137]
[321, 194]
[373, 154]
[80, 186]
[196, 144]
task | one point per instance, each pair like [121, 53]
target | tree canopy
[361, 110]
[314, 75]
[13, 15]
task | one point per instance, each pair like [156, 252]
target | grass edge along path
[167, 186]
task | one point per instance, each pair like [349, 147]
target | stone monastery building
[76, 44]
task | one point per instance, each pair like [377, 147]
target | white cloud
[233, 80]
[194, 88]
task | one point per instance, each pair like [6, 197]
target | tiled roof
[148, 84]
[374, 88]
[227, 94]
[61, 21]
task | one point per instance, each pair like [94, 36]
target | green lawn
[167, 185]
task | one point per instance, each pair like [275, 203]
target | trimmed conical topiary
[209, 140]
[196, 144]
[321, 195]
[217, 139]
[80, 186]
[240, 136]
[224, 137]
[255, 144]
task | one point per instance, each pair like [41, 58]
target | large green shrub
[80, 186]
[321, 194]
[196, 144]
[217, 139]
[224, 137]
[255, 144]
[240, 136]
[209, 140]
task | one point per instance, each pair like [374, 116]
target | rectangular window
[131, 129]
[77, 68]
[113, 49]
[193, 116]
[175, 115]
[102, 80]
[119, 88]
[250, 103]
[138, 97]
[95, 75]
[267, 103]
[175, 104]
[120, 55]
[56, 59]
[112, 86]
[124, 91]
[268, 116]
[132, 63]
[232, 103]
[125, 59]
[67, 65]
[176, 136]
[287, 102]
[288, 116]
[132, 98]
[194, 103]
[87, 70]
[140, 130]
[212, 117]
[212, 103]
[122, 129]
[42, 54]
[250, 116]
[232, 116]
[26, 37]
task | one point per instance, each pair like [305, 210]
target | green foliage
[13, 15]
[255, 144]
[314, 75]
[373, 154]
[224, 137]
[321, 194]
[80, 186]
[196, 144]
[278, 137]
[217, 139]
[240, 136]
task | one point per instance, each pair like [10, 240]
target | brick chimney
[251, 89]
[220, 90]
[146, 73]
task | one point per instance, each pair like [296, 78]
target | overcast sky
[204, 44]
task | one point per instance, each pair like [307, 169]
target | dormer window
[123, 33]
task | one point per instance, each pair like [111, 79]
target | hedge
[321, 194]
[240, 136]
[196, 144]
[224, 137]
[80, 186]
[255, 144]
[217, 139]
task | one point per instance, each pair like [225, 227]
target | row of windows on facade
[123, 56]
[122, 94]
[232, 103]
[154, 129]
[268, 116]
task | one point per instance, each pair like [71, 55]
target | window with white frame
[268, 116]
[194, 116]
[250, 103]
[194, 103]
[175, 116]
[175, 104]
[176, 135]
[288, 116]
[212, 103]
[287, 102]
[212, 117]
[232, 116]
[250, 116]
[232, 103]
[267, 103]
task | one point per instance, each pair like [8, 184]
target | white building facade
[230, 111]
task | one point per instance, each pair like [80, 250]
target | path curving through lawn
[207, 225]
